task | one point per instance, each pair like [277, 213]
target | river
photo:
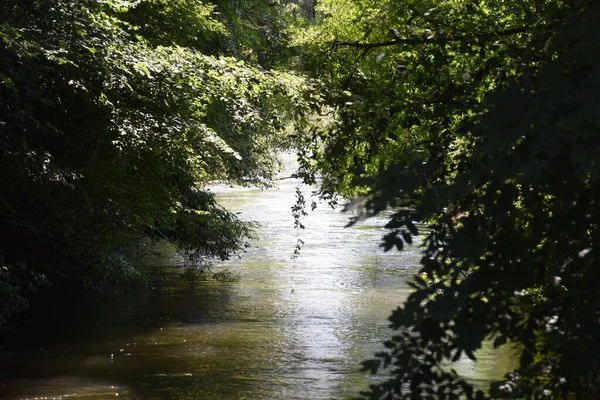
[287, 329]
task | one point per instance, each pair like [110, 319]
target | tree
[480, 120]
[113, 116]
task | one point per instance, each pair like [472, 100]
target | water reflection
[333, 300]
[294, 329]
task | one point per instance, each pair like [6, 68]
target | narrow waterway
[288, 329]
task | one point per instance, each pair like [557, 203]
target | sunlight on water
[293, 329]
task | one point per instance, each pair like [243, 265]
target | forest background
[476, 119]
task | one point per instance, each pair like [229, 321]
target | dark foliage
[481, 120]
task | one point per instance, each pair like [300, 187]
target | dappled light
[305, 199]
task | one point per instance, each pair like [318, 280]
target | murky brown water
[287, 330]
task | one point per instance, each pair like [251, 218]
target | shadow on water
[112, 342]
[293, 329]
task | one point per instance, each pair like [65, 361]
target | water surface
[288, 329]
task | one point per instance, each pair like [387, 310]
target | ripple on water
[293, 329]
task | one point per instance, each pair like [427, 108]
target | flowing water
[288, 329]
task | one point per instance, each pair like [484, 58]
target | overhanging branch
[480, 40]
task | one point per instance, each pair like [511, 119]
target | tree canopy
[114, 115]
[478, 120]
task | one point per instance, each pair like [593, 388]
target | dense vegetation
[113, 115]
[477, 119]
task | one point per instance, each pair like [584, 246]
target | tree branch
[482, 40]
